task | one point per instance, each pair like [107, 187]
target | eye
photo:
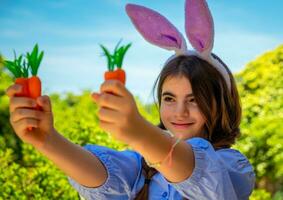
[168, 99]
[192, 100]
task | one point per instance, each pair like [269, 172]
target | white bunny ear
[155, 28]
[199, 25]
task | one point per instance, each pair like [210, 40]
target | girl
[187, 156]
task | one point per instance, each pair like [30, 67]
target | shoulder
[199, 143]
[230, 159]
[231, 156]
[226, 165]
[222, 174]
[234, 160]
[206, 157]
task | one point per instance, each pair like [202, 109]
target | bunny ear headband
[156, 29]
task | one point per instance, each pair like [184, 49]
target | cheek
[199, 117]
[165, 113]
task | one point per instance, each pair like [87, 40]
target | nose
[181, 110]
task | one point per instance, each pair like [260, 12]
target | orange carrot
[34, 86]
[25, 88]
[118, 74]
[31, 87]
[121, 75]
[115, 59]
[109, 75]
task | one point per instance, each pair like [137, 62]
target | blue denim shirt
[221, 175]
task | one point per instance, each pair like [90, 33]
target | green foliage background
[26, 174]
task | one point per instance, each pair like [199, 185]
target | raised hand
[23, 115]
[118, 113]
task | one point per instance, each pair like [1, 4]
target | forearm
[74, 161]
[155, 146]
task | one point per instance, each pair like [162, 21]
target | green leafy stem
[115, 59]
[24, 64]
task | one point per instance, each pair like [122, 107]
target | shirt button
[164, 194]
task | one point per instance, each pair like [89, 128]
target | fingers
[45, 103]
[13, 90]
[21, 102]
[22, 125]
[115, 87]
[112, 95]
[108, 115]
[22, 113]
[25, 102]
[108, 100]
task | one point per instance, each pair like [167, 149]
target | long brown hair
[220, 106]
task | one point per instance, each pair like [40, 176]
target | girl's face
[179, 111]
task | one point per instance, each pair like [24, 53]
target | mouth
[182, 125]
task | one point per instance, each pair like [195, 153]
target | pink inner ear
[199, 25]
[154, 27]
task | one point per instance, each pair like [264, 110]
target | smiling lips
[182, 125]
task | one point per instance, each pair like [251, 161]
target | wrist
[154, 144]
[139, 133]
[48, 141]
[145, 134]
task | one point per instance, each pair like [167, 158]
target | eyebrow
[171, 94]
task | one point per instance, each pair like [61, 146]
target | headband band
[210, 59]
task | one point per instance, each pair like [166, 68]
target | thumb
[44, 102]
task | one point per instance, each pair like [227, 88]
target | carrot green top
[34, 60]
[115, 59]
[22, 65]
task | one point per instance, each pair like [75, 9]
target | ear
[155, 28]
[199, 25]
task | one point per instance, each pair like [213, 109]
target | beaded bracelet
[168, 156]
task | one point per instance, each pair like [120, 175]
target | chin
[183, 135]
